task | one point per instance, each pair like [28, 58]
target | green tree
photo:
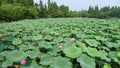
[37, 6]
[31, 13]
[18, 12]
[0, 2]
[11, 12]
[30, 3]
[118, 12]
[49, 9]
[105, 9]
[91, 11]
[74, 14]
[64, 10]
[96, 12]
[41, 11]
[17, 9]
[114, 11]
[49, 5]
[54, 9]
[26, 3]
[6, 12]
[9, 1]
[84, 13]
[45, 11]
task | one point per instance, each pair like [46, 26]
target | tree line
[11, 10]
[52, 10]
[105, 12]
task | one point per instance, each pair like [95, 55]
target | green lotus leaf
[48, 37]
[33, 54]
[4, 53]
[0, 63]
[10, 39]
[68, 43]
[55, 50]
[79, 43]
[92, 42]
[1, 58]
[11, 47]
[118, 54]
[54, 33]
[58, 39]
[72, 52]
[113, 54]
[103, 55]
[86, 61]
[118, 49]
[7, 63]
[25, 38]
[59, 62]
[24, 47]
[106, 65]
[117, 60]
[99, 38]
[33, 64]
[16, 56]
[44, 44]
[2, 47]
[110, 44]
[92, 52]
[46, 60]
[38, 37]
[17, 41]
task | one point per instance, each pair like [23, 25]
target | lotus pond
[60, 43]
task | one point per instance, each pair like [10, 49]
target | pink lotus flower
[72, 39]
[23, 61]
[60, 46]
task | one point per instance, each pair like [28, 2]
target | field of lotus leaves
[60, 43]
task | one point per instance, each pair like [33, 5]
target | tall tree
[30, 3]
[64, 10]
[45, 11]
[91, 11]
[31, 13]
[105, 9]
[18, 12]
[96, 12]
[17, 9]
[26, 3]
[0, 2]
[49, 9]
[6, 12]
[41, 9]
[49, 5]
[37, 6]
[9, 1]
[54, 9]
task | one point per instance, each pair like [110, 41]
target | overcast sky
[84, 4]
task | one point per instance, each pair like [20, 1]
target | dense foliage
[52, 10]
[55, 11]
[12, 10]
[105, 12]
[60, 43]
